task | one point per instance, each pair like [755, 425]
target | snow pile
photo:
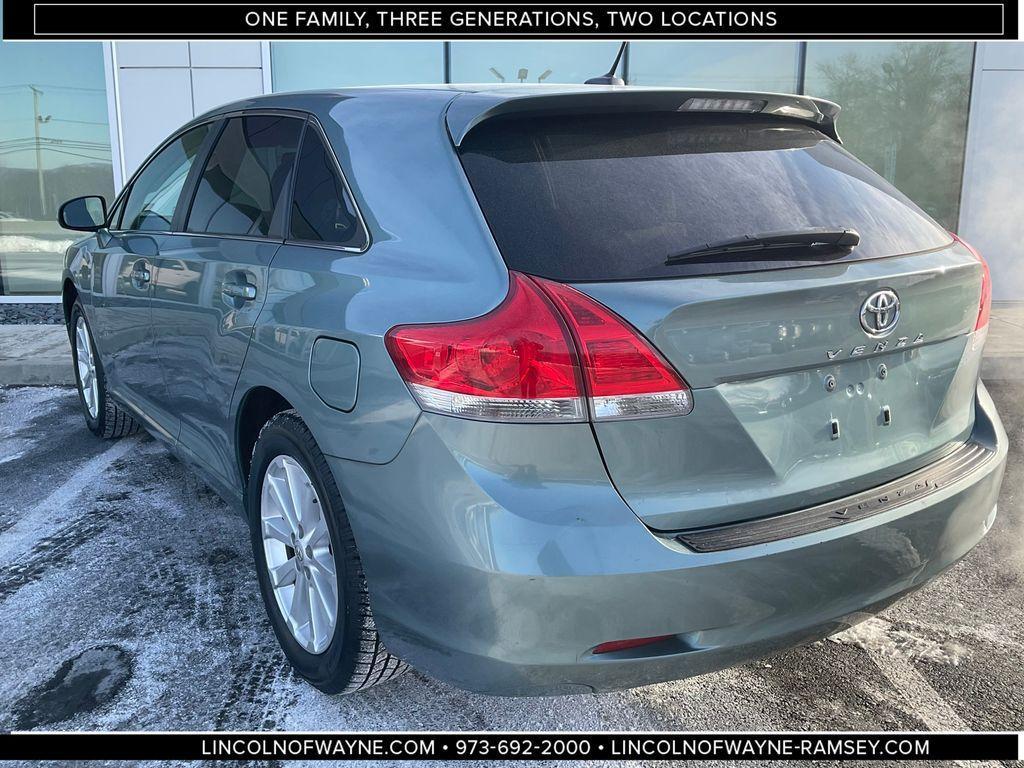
[879, 637]
[29, 244]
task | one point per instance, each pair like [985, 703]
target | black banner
[793, 20]
[423, 747]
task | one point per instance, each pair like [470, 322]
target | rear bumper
[488, 573]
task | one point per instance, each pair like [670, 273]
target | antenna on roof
[609, 77]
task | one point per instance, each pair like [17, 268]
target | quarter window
[246, 177]
[154, 194]
[322, 211]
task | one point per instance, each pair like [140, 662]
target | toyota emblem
[880, 312]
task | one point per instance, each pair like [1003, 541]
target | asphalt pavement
[128, 600]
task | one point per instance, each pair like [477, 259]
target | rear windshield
[612, 197]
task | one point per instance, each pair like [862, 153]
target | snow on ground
[128, 601]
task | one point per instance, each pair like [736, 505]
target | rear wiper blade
[818, 239]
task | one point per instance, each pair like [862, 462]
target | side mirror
[85, 214]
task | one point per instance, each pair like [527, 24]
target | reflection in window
[530, 62]
[299, 66]
[904, 112]
[154, 194]
[54, 145]
[246, 177]
[728, 66]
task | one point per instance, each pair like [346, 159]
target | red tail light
[985, 302]
[626, 377]
[517, 362]
[541, 355]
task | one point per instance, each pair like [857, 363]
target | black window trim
[313, 124]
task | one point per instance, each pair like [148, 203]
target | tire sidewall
[331, 669]
[95, 424]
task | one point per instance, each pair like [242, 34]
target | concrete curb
[46, 373]
[35, 355]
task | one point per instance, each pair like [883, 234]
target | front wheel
[309, 570]
[103, 416]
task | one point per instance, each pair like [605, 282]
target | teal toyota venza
[545, 389]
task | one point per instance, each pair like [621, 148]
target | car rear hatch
[818, 368]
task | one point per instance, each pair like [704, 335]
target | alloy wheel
[87, 380]
[298, 553]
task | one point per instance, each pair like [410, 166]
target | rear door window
[322, 211]
[616, 197]
[154, 195]
[246, 177]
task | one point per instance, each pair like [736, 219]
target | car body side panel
[201, 335]
[123, 333]
[93, 272]
[528, 503]
[78, 267]
[431, 259]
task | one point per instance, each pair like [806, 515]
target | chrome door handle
[243, 291]
[141, 276]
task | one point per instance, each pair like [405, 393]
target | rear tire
[103, 416]
[349, 656]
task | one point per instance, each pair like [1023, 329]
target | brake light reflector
[622, 645]
[541, 355]
[701, 104]
[624, 375]
[985, 302]
[516, 363]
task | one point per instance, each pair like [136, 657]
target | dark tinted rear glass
[611, 197]
[321, 209]
[246, 176]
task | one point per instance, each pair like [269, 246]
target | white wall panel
[241, 53]
[213, 87]
[153, 53]
[991, 206]
[153, 103]
[162, 85]
[1006, 55]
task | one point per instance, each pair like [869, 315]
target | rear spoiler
[469, 109]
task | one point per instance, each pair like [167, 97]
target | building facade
[939, 120]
